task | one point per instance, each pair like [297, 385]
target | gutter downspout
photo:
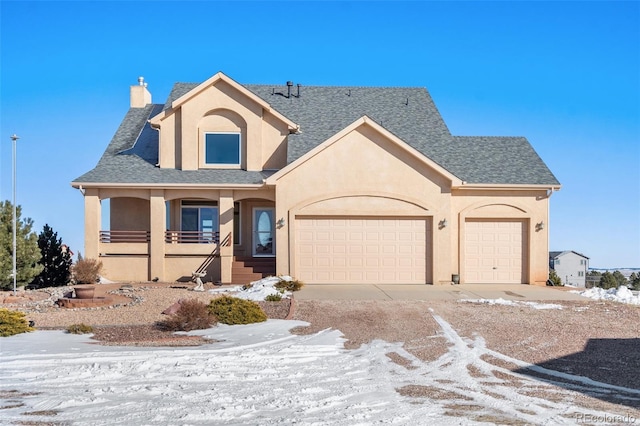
[549, 194]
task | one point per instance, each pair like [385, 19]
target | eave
[107, 185]
[506, 187]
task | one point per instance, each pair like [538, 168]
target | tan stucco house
[326, 184]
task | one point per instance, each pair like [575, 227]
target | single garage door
[495, 251]
[352, 250]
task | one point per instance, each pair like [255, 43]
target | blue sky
[566, 75]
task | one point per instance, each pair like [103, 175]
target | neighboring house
[570, 266]
[327, 184]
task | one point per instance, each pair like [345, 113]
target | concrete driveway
[434, 292]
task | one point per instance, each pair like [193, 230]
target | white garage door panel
[363, 250]
[494, 251]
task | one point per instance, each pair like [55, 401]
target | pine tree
[27, 253]
[554, 278]
[620, 279]
[634, 280]
[56, 260]
[607, 281]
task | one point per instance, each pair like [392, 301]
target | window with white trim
[222, 149]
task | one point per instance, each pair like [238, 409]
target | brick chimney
[140, 96]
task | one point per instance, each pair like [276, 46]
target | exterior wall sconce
[280, 223]
[443, 224]
[540, 226]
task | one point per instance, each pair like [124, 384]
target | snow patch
[257, 290]
[501, 301]
[621, 294]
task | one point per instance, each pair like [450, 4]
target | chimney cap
[289, 83]
[141, 81]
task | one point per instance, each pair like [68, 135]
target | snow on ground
[501, 301]
[256, 290]
[621, 294]
[262, 374]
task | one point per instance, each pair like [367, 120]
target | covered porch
[166, 234]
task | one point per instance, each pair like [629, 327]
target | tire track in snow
[274, 378]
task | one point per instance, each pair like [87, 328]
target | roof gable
[184, 97]
[361, 122]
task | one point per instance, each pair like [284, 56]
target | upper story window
[222, 149]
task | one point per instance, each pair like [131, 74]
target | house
[327, 184]
[570, 266]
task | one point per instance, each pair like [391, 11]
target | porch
[228, 235]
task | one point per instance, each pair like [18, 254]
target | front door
[264, 237]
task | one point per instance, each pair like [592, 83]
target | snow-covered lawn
[262, 374]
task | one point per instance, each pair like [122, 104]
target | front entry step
[247, 269]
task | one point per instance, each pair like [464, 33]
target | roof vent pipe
[289, 85]
[298, 95]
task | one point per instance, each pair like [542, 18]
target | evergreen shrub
[79, 329]
[13, 322]
[273, 298]
[294, 285]
[231, 310]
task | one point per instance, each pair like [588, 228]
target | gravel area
[130, 320]
[590, 336]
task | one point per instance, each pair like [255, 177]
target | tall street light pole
[14, 273]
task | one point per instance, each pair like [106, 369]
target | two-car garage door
[358, 250]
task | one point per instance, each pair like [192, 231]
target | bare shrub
[87, 271]
[191, 315]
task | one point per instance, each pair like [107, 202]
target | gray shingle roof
[554, 254]
[321, 112]
[499, 160]
[132, 155]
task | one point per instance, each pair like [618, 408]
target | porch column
[92, 220]
[157, 227]
[225, 206]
